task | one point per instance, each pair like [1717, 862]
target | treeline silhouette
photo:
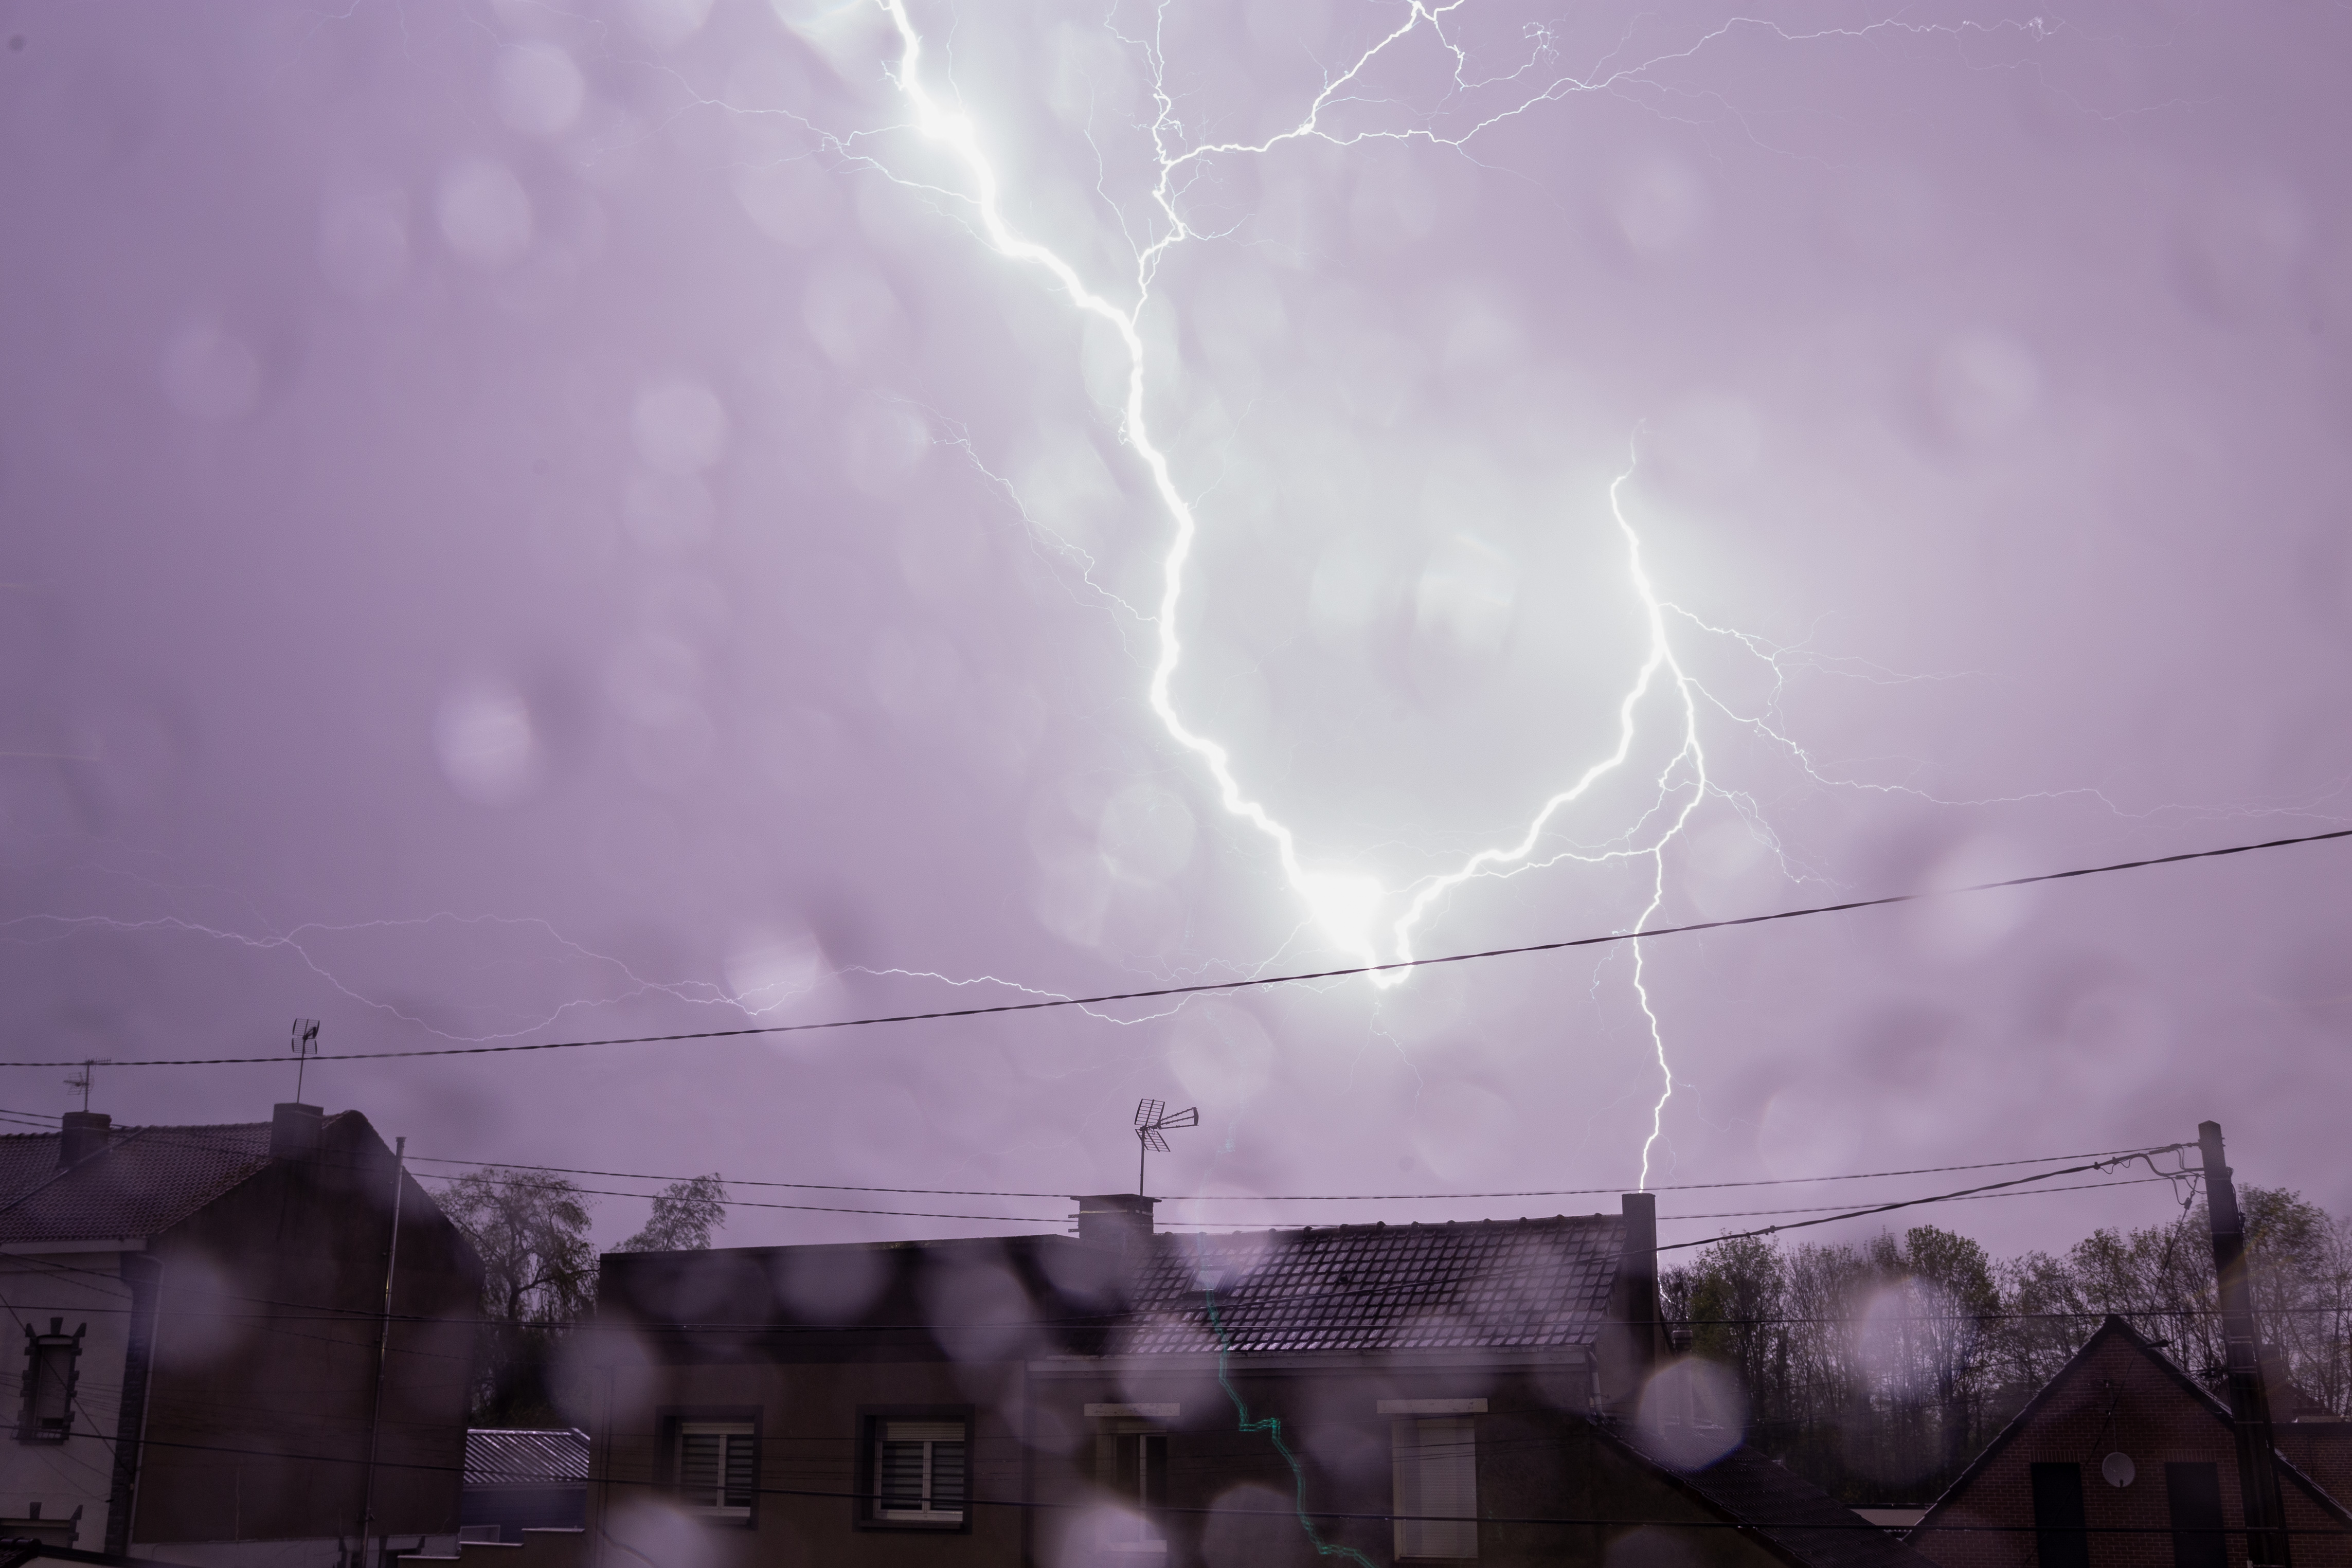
[1877, 1370]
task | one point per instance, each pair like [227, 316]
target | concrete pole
[2249, 1405]
[383, 1349]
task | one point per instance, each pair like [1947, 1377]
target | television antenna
[1153, 1118]
[305, 1046]
[83, 1078]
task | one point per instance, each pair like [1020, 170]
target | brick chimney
[1118, 1222]
[1637, 1273]
[84, 1133]
[294, 1129]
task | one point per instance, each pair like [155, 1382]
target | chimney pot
[85, 1134]
[294, 1129]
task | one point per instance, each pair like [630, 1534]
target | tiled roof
[146, 1181]
[1804, 1520]
[1484, 1284]
[517, 1456]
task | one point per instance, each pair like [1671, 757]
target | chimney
[85, 1134]
[1638, 1270]
[294, 1129]
[1120, 1222]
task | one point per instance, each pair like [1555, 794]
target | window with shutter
[920, 1471]
[1436, 1487]
[50, 1374]
[718, 1467]
[1131, 1462]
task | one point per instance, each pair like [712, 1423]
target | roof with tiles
[519, 1457]
[146, 1180]
[1484, 1284]
[1805, 1521]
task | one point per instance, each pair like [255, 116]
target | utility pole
[2250, 1404]
[382, 1349]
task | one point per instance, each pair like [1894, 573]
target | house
[28, 1552]
[2120, 1461]
[1374, 1394]
[207, 1363]
[520, 1478]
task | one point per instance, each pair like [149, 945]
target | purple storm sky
[524, 522]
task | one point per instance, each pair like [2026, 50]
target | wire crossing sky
[1625, 937]
[1024, 557]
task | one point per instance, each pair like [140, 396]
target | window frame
[1409, 1527]
[1146, 1505]
[672, 1421]
[2061, 1520]
[39, 1348]
[866, 1510]
[2195, 1485]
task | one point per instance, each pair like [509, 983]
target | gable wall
[2115, 1399]
[266, 1353]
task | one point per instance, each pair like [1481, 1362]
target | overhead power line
[192, 1137]
[1215, 987]
[1198, 1224]
[2103, 1166]
[1263, 1198]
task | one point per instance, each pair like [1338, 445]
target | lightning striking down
[1343, 903]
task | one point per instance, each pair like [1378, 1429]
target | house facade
[2123, 1461]
[203, 1319]
[1374, 1394]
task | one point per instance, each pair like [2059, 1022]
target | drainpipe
[143, 1272]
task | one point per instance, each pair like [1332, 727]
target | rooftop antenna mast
[1153, 1118]
[82, 1080]
[305, 1046]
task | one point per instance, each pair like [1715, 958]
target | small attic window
[50, 1374]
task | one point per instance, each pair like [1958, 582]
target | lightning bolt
[1342, 903]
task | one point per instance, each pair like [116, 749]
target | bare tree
[538, 1278]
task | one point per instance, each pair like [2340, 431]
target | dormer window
[50, 1374]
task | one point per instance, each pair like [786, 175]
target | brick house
[2121, 1461]
[1383, 1394]
[201, 1310]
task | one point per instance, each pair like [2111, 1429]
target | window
[50, 1379]
[1436, 1486]
[919, 1471]
[1131, 1462]
[2058, 1534]
[718, 1467]
[2194, 1494]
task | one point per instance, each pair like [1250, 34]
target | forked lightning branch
[1347, 904]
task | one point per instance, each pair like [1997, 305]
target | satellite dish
[2118, 1468]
